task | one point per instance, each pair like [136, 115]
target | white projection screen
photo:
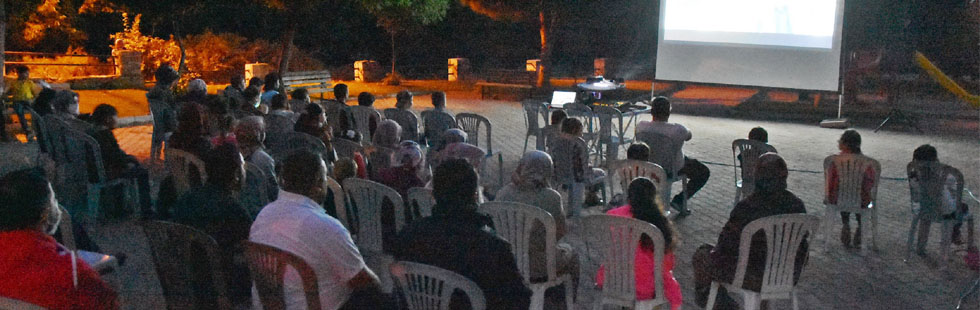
[772, 43]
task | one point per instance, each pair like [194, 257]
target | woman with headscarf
[718, 263]
[192, 137]
[454, 146]
[530, 184]
[385, 144]
[404, 172]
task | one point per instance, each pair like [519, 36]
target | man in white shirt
[297, 223]
[696, 172]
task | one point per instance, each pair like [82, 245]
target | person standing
[22, 92]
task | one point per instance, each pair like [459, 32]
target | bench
[316, 82]
[520, 79]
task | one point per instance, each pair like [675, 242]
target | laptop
[560, 98]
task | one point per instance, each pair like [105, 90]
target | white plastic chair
[784, 235]
[533, 111]
[255, 194]
[434, 125]
[473, 124]
[584, 113]
[850, 172]
[750, 150]
[421, 200]
[407, 119]
[940, 174]
[612, 133]
[179, 164]
[515, 222]
[346, 148]
[623, 172]
[664, 152]
[339, 202]
[362, 120]
[268, 266]
[367, 198]
[426, 287]
[616, 239]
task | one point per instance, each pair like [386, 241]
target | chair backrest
[177, 250]
[37, 125]
[65, 229]
[610, 123]
[472, 124]
[179, 163]
[275, 123]
[435, 123]
[78, 161]
[431, 288]
[750, 151]
[514, 222]
[268, 266]
[664, 150]
[616, 239]
[623, 172]
[850, 175]
[927, 182]
[297, 141]
[255, 194]
[407, 120]
[381, 158]
[784, 234]
[583, 113]
[340, 202]
[421, 201]
[334, 109]
[10, 303]
[367, 199]
[362, 120]
[563, 153]
[533, 111]
[346, 148]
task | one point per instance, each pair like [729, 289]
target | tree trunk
[544, 69]
[3, 47]
[392, 54]
[287, 50]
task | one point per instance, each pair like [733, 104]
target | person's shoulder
[624, 211]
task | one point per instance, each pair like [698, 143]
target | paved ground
[836, 279]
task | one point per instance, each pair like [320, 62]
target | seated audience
[403, 100]
[256, 82]
[280, 108]
[456, 237]
[696, 172]
[531, 184]
[250, 133]
[638, 151]
[197, 90]
[757, 134]
[236, 91]
[385, 144]
[936, 192]
[300, 98]
[42, 104]
[404, 172]
[645, 205]
[66, 109]
[366, 99]
[313, 122]
[551, 132]
[404, 103]
[214, 209]
[718, 262]
[850, 146]
[115, 161]
[571, 155]
[270, 88]
[251, 106]
[297, 223]
[338, 113]
[455, 147]
[437, 120]
[35, 268]
[190, 137]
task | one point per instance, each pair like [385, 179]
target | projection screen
[773, 43]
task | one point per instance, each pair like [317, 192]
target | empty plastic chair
[536, 116]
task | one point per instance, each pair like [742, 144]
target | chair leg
[738, 194]
[911, 239]
[712, 296]
[537, 299]
[569, 293]
[866, 246]
[752, 301]
[828, 220]
[526, 138]
[944, 245]
[796, 303]
[94, 197]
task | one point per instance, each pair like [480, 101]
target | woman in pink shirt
[645, 205]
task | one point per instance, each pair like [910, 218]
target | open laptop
[560, 98]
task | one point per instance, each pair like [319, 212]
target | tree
[293, 11]
[397, 16]
[547, 13]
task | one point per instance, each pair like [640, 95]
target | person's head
[197, 88]
[225, 167]
[279, 102]
[166, 75]
[365, 99]
[646, 205]
[344, 168]
[409, 154]
[454, 135]
[759, 134]
[301, 94]
[256, 82]
[340, 92]
[455, 185]
[534, 171]
[388, 134]
[250, 131]
[638, 151]
[850, 141]
[238, 81]
[23, 73]
[190, 120]
[105, 115]
[660, 109]
[572, 126]
[439, 100]
[216, 105]
[66, 101]
[271, 82]
[305, 173]
[27, 202]
[316, 113]
[558, 116]
[42, 104]
[403, 100]
[925, 152]
[770, 173]
[252, 95]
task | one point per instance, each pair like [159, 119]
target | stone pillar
[367, 71]
[599, 66]
[533, 65]
[129, 67]
[259, 70]
[459, 69]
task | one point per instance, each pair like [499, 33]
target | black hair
[102, 113]
[558, 116]
[925, 152]
[403, 95]
[455, 184]
[237, 77]
[63, 99]
[23, 199]
[257, 82]
[759, 134]
[251, 92]
[340, 89]
[852, 140]
[660, 108]
[313, 109]
[365, 99]
[571, 126]
[299, 171]
[642, 195]
[300, 93]
[638, 151]
[22, 69]
[222, 166]
[216, 104]
[271, 82]
[278, 102]
[439, 99]
[42, 104]
[166, 74]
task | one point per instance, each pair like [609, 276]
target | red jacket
[36, 269]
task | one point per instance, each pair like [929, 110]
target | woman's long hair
[646, 206]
